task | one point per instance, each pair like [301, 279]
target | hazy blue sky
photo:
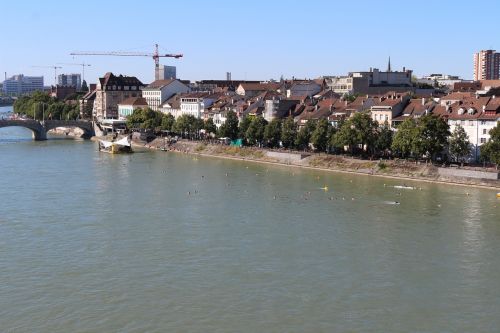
[252, 39]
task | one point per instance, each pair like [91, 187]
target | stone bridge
[40, 128]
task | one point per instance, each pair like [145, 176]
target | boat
[404, 187]
[498, 195]
[121, 146]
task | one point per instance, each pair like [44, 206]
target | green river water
[164, 242]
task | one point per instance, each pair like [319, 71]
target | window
[485, 131]
[483, 140]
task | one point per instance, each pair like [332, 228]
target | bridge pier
[39, 135]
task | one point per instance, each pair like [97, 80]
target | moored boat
[121, 146]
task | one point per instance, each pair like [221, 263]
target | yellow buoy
[498, 195]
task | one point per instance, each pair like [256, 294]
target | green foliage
[319, 137]
[84, 86]
[383, 140]
[41, 106]
[403, 141]
[272, 133]
[289, 133]
[490, 151]
[255, 132]
[188, 125]
[459, 145]
[243, 126]
[432, 136]
[149, 119]
[167, 122]
[304, 135]
[209, 126]
[359, 130]
[426, 136]
[230, 127]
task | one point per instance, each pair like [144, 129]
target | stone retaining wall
[464, 173]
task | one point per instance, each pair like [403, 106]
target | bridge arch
[40, 128]
[86, 126]
[39, 132]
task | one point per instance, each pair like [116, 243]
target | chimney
[423, 101]
[404, 69]
[484, 108]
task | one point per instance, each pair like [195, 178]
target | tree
[304, 135]
[183, 125]
[432, 136]
[209, 126]
[345, 137]
[243, 126]
[167, 122]
[272, 133]
[289, 133]
[358, 131]
[319, 137]
[84, 86]
[383, 140]
[255, 132]
[230, 127]
[459, 145]
[365, 130]
[403, 141]
[490, 151]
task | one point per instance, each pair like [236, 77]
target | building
[167, 72]
[111, 90]
[304, 88]
[388, 107]
[477, 116]
[195, 103]
[61, 92]
[127, 106]
[160, 90]
[19, 85]
[486, 65]
[87, 101]
[74, 80]
[440, 80]
[254, 89]
[372, 82]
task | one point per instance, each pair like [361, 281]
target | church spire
[389, 64]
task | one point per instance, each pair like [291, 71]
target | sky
[254, 40]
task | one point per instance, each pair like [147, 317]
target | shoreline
[319, 168]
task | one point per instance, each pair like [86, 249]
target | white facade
[159, 91]
[477, 131]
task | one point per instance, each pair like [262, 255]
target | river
[165, 242]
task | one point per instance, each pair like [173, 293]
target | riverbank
[393, 169]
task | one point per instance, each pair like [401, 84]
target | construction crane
[55, 71]
[74, 64]
[155, 55]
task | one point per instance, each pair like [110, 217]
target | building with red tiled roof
[253, 89]
[388, 107]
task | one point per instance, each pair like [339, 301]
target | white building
[477, 116]
[195, 103]
[160, 90]
[19, 85]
